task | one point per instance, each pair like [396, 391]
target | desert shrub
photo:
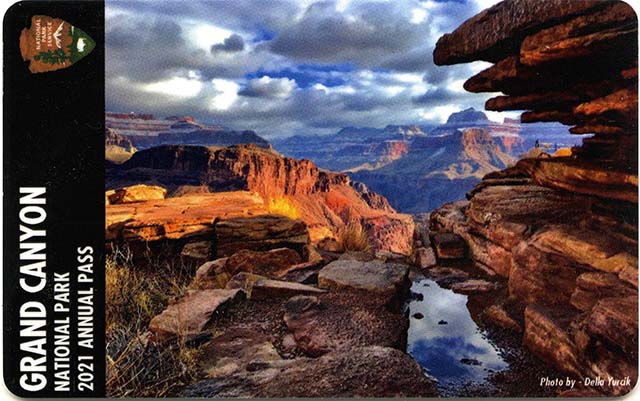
[136, 368]
[353, 237]
[283, 207]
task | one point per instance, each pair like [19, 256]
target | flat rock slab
[340, 321]
[260, 233]
[359, 372]
[446, 276]
[265, 263]
[473, 286]
[136, 193]
[176, 218]
[259, 287]
[449, 246]
[236, 350]
[384, 280]
[190, 314]
[304, 273]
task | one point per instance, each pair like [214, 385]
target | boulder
[190, 314]
[136, 193]
[362, 256]
[391, 257]
[629, 275]
[341, 321]
[258, 287]
[310, 254]
[260, 233]
[384, 281]
[304, 273]
[473, 286]
[211, 275]
[265, 263]
[359, 372]
[424, 258]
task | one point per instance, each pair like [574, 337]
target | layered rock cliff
[145, 131]
[437, 169]
[563, 230]
[325, 201]
[118, 149]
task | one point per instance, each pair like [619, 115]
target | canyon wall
[327, 202]
[562, 230]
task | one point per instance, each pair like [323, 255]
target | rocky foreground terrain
[562, 231]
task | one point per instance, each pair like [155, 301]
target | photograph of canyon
[412, 198]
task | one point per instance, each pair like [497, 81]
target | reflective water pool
[444, 339]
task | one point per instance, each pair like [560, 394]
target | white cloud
[179, 87]
[418, 16]
[457, 86]
[225, 94]
[204, 36]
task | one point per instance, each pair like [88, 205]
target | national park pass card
[325, 199]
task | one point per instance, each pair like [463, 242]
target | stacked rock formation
[569, 61]
[561, 230]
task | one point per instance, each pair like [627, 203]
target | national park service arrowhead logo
[52, 44]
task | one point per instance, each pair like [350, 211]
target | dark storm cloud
[372, 34]
[232, 44]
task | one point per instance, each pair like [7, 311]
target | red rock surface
[325, 201]
[561, 230]
[189, 315]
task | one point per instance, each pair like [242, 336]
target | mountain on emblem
[51, 44]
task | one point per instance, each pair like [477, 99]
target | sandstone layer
[325, 201]
[561, 230]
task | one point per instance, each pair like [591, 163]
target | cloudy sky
[288, 67]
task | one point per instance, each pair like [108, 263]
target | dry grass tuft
[353, 237]
[283, 207]
[133, 298]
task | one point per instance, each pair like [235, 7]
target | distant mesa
[468, 115]
[145, 131]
